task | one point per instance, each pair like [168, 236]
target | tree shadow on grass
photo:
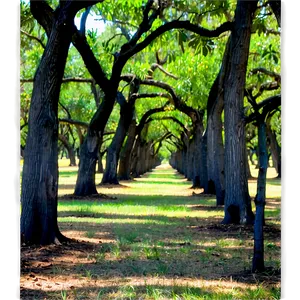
[174, 257]
[198, 261]
[128, 292]
[209, 266]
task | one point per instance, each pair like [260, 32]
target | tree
[64, 139]
[127, 112]
[112, 156]
[142, 127]
[40, 170]
[268, 106]
[237, 200]
[85, 183]
[214, 129]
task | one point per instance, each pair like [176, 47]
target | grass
[156, 241]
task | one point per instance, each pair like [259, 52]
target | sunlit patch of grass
[145, 240]
[116, 251]
[142, 206]
[271, 246]
[68, 173]
[90, 233]
[109, 221]
[186, 292]
[272, 213]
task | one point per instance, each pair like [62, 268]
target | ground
[152, 238]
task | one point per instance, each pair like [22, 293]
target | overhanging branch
[33, 38]
[74, 122]
[177, 25]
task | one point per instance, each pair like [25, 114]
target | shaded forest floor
[155, 238]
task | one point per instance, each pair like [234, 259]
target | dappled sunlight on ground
[156, 240]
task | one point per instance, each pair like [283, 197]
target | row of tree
[136, 100]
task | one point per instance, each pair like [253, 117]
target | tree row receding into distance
[195, 82]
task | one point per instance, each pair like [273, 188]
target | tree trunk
[203, 159]
[197, 159]
[112, 156]
[141, 159]
[135, 157]
[215, 154]
[125, 155]
[85, 184]
[274, 148]
[190, 160]
[40, 171]
[260, 200]
[215, 146]
[69, 148]
[100, 168]
[237, 200]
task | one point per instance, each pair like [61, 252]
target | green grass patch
[164, 247]
[67, 173]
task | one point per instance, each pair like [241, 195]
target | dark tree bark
[197, 156]
[125, 155]
[276, 7]
[274, 148]
[69, 148]
[112, 156]
[190, 159]
[215, 152]
[260, 199]
[237, 200]
[40, 171]
[203, 169]
[110, 175]
[215, 146]
[85, 184]
[134, 157]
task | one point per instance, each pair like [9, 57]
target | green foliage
[193, 59]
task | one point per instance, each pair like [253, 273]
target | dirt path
[155, 241]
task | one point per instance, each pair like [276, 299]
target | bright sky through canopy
[91, 23]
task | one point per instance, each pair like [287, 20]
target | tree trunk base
[258, 265]
[233, 215]
[211, 187]
[59, 239]
[221, 198]
[109, 181]
[125, 178]
[196, 183]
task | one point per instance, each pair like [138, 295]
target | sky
[91, 23]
